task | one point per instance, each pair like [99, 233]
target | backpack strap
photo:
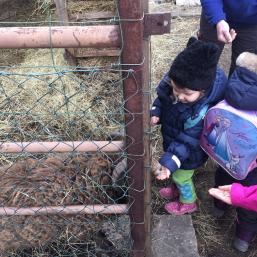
[190, 122]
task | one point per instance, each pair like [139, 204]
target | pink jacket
[245, 197]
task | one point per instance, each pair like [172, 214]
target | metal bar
[60, 36]
[147, 148]
[131, 15]
[68, 146]
[66, 210]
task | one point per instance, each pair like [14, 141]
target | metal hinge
[156, 23]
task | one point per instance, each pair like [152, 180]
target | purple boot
[169, 193]
[179, 208]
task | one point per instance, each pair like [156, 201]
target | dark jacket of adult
[238, 13]
[241, 90]
[179, 141]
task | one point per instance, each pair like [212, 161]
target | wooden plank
[7, 15]
[62, 13]
[91, 16]
[61, 9]
[90, 52]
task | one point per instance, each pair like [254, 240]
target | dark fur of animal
[53, 181]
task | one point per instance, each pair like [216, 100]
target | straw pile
[91, 6]
[44, 98]
[41, 102]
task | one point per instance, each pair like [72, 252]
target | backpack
[229, 137]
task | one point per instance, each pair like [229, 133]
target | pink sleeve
[244, 197]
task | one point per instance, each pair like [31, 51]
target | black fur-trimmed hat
[195, 67]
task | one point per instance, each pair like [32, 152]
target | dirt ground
[214, 236]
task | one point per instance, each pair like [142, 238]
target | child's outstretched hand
[161, 172]
[155, 120]
[222, 193]
[164, 174]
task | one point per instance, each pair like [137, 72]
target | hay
[91, 6]
[39, 99]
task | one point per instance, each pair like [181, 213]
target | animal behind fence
[54, 181]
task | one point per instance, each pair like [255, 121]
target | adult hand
[222, 193]
[224, 33]
[155, 120]
[164, 173]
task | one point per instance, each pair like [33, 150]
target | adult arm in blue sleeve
[213, 10]
[181, 147]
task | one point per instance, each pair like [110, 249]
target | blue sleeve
[213, 10]
[181, 147]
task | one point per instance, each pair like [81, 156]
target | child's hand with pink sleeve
[222, 193]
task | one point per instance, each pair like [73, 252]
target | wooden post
[61, 8]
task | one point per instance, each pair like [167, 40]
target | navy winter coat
[181, 146]
[241, 90]
[238, 13]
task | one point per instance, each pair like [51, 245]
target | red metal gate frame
[136, 26]
[132, 26]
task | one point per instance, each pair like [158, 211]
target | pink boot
[169, 192]
[179, 208]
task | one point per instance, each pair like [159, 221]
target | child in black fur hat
[192, 85]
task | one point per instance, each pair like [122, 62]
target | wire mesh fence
[54, 201]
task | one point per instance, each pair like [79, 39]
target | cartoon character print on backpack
[221, 147]
[234, 163]
[217, 138]
[212, 131]
[230, 138]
